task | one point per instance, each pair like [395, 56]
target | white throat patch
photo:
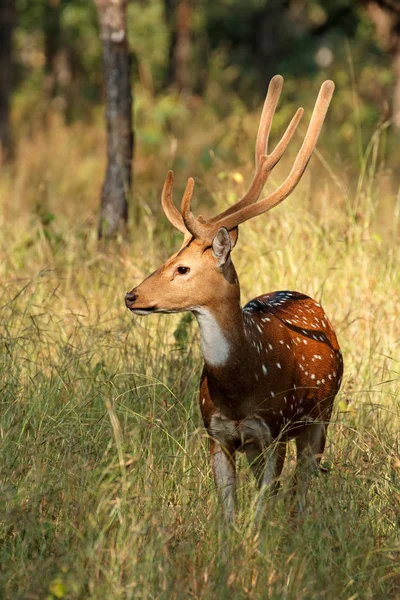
[214, 345]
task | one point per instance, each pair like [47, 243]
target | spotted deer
[273, 368]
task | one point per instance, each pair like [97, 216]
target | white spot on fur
[264, 368]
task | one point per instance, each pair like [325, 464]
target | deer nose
[130, 299]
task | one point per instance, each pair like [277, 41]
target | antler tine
[269, 108]
[283, 143]
[193, 225]
[172, 213]
[300, 163]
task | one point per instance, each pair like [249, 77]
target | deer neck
[221, 333]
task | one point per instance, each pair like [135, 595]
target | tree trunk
[183, 46]
[270, 39]
[7, 20]
[385, 14]
[117, 74]
[396, 88]
[179, 20]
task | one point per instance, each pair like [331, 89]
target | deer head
[201, 272]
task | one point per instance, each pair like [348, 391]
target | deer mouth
[143, 311]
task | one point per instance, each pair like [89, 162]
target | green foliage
[148, 39]
[183, 331]
[322, 39]
[229, 36]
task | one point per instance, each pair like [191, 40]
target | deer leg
[310, 445]
[223, 466]
[266, 467]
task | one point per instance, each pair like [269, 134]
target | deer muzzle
[130, 299]
[131, 302]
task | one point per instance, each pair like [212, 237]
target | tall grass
[106, 490]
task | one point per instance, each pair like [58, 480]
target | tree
[117, 74]
[179, 18]
[385, 15]
[7, 21]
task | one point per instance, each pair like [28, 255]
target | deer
[272, 368]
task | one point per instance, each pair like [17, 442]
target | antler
[248, 207]
[171, 212]
[264, 163]
[299, 166]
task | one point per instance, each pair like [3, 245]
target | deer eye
[183, 270]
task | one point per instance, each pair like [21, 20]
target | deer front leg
[267, 467]
[223, 466]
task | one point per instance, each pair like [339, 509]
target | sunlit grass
[105, 481]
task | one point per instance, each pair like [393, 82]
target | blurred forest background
[105, 483]
[186, 58]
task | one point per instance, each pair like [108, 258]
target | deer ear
[221, 246]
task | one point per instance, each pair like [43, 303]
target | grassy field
[106, 489]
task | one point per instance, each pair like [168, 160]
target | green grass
[106, 489]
